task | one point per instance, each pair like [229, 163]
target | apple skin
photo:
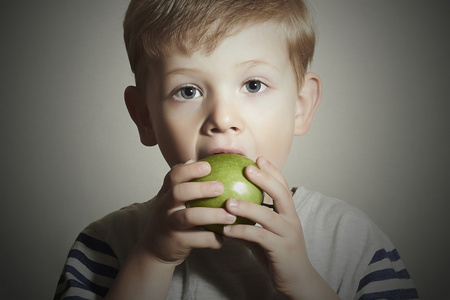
[229, 169]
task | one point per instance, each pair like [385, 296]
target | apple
[229, 169]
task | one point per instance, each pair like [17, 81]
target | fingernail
[217, 187]
[262, 161]
[204, 167]
[252, 169]
[232, 203]
[226, 229]
[230, 218]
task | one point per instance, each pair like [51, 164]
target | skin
[242, 98]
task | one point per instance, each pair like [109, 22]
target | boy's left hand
[281, 236]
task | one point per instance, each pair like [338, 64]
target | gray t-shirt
[347, 249]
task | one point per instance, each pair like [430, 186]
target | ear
[137, 107]
[308, 101]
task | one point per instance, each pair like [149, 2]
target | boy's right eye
[187, 92]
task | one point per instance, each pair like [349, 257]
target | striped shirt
[351, 253]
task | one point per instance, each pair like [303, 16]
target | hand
[172, 231]
[280, 239]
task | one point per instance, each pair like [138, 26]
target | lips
[222, 150]
[219, 151]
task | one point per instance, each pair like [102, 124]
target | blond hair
[152, 28]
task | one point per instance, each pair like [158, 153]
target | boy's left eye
[254, 86]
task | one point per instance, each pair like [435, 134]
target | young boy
[228, 77]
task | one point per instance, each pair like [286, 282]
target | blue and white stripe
[386, 278]
[90, 270]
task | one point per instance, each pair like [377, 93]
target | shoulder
[120, 229]
[340, 237]
[98, 252]
[320, 213]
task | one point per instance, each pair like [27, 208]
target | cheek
[278, 147]
[175, 137]
[275, 135]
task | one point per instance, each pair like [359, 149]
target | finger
[254, 234]
[200, 239]
[267, 218]
[197, 190]
[200, 216]
[277, 190]
[185, 172]
[266, 165]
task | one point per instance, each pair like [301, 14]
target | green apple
[229, 169]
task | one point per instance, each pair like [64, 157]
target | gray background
[70, 153]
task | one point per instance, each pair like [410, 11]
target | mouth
[224, 150]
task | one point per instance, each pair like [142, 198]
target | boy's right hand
[174, 230]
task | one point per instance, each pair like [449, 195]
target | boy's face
[241, 98]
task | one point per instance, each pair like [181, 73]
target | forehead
[261, 43]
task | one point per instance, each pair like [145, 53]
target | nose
[223, 116]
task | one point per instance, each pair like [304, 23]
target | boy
[228, 77]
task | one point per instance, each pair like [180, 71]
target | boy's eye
[255, 86]
[188, 92]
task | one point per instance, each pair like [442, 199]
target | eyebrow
[249, 64]
[182, 71]
[256, 62]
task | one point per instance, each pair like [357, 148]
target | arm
[171, 234]
[90, 266]
[280, 240]
[386, 277]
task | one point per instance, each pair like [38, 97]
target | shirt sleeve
[386, 278]
[350, 251]
[90, 269]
